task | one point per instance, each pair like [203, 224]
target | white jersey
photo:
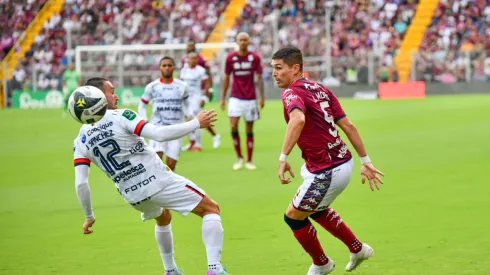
[115, 146]
[194, 77]
[168, 101]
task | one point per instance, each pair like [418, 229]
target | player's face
[191, 47]
[243, 42]
[282, 73]
[167, 68]
[110, 94]
[192, 60]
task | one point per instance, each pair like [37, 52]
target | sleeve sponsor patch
[130, 115]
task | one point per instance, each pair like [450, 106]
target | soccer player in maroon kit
[243, 64]
[312, 112]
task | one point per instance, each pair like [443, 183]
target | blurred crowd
[456, 47]
[365, 35]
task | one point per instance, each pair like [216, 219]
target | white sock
[212, 235]
[197, 135]
[165, 241]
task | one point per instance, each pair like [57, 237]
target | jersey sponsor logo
[140, 184]
[242, 65]
[170, 108]
[289, 98]
[99, 137]
[239, 73]
[336, 143]
[343, 151]
[99, 128]
[170, 100]
[139, 147]
[130, 115]
[130, 173]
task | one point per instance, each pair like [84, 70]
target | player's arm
[226, 82]
[145, 99]
[82, 172]
[293, 131]
[260, 81]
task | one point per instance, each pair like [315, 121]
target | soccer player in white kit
[116, 145]
[194, 75]
[170, 99]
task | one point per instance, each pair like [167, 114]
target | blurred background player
[191, 48]
[243, 64]
[116, 145]
[195, 77]
[71, 81]
[169, 98]
[311, 112]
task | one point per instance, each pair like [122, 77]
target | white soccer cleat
[186, 147]
[357, 258]
[216, 141]
[238, 164]
[322, 269]
[250, 166]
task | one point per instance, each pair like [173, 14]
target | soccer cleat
[214, 272]
[186, 147]
[322, 269]
[357, 258]
[216, 141]
[195, 148]
[174, 272]
[238, 164]
[250, 166]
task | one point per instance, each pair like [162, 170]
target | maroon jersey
[243, 69]
[200, 61]
[320, 142]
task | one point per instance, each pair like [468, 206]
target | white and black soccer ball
[87, 104]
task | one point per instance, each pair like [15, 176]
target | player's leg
[172, 151]
[235, 111]
[251, 115]
[331, 221]
[197, 146]
[159, 147]
[306, 201]
[165, 241]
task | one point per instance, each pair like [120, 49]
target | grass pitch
[429, 217]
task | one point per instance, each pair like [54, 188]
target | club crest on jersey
[84, 138]
[81, 102]
[130, 115]
[250, 57]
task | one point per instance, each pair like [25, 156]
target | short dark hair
[290, 55]
[97, 82]
[167, 58]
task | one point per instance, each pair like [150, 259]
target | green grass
[429, 217]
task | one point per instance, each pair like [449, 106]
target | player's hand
[261, 103]
[87, 224]
[284, 167]
[369, 172]
[223, 105]
[207, 118]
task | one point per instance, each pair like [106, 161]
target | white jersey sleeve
[82, 172]
[147, 96]
[132, 122]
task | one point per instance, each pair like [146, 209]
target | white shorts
[194, 106]
[170, 148]
[179, 194]
[318, 191]
[242, 107]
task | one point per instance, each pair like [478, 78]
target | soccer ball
[87, 104]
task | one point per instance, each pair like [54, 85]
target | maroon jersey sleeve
[258, 64]
[228, 65]
[337, 110]
[292, 100]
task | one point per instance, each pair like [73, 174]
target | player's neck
[242, 53]
[296, 78]
[165, 80]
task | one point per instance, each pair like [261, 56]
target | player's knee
[165, 218]
[317, 214]
[295, 224]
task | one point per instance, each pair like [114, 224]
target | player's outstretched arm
[83, 193]
[164, 133]
[368, 171]
[293, 131]
[142, 110]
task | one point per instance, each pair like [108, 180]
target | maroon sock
[211, 130]
[305, 233]
[236, 142]
[250, 146]
[333, 223]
